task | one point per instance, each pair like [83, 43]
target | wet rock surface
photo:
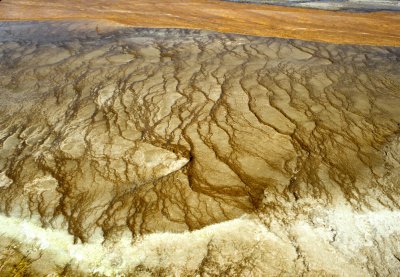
[286, 148]
[347, 5]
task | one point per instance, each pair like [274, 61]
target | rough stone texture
[236, 155]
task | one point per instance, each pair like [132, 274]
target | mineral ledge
[159, 152]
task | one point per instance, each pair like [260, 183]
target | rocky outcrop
[286, 148]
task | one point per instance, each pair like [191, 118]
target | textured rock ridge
[137, 131]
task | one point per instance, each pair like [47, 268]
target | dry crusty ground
[159, 152]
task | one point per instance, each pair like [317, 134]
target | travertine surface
[166, 151]
[375, 28]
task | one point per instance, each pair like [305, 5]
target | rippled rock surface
[289, 149]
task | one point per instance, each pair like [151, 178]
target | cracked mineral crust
[172, 151]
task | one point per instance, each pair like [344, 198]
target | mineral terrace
[175, 152]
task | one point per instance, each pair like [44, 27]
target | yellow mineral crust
[376, 28]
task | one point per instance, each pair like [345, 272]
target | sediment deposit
[376, 28]
[173, 151]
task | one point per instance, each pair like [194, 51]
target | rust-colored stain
[378, 28]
